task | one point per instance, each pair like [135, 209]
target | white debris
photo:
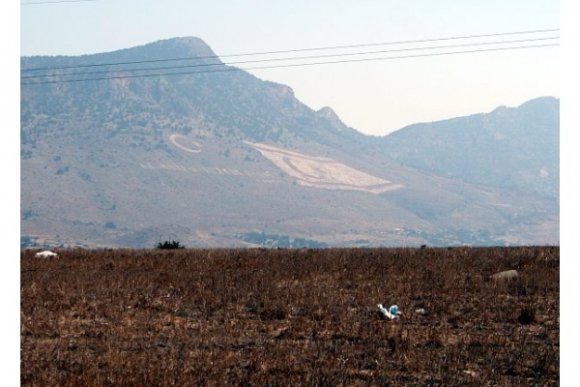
[421, 311]
[391, 313]
[508, 274]
[46, 254]
[383, 312]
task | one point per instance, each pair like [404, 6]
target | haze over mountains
[226, 159]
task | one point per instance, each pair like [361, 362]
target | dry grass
[290, 317]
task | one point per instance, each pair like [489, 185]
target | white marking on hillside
[202, 170]
[323, 172]
[501, 205]
[196, 146]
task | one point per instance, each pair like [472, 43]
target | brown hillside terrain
[290, 317]
[210, 157]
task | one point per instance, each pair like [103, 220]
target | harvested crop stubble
[290, 317]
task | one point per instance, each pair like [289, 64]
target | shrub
[527, 316]
[170, 245]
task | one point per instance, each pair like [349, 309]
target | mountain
[514, 148]
[232, 104]
[222, 158]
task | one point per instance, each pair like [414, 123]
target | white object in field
[46, 254]
[391, 313]
[505, 275]
[421, 311]
[394, 310]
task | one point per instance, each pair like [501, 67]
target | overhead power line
[231, 69]
[291, 58]
[55, 2]
[296, 50]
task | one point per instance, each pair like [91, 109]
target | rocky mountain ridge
[216, 159]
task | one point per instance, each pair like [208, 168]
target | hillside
[514, 148]
[226, 159]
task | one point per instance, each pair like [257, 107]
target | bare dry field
[290, 317]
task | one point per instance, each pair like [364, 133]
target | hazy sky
[373, 97]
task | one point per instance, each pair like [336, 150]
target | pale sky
[373, 97]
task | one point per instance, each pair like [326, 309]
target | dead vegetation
[290, 317]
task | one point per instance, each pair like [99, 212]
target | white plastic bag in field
[46, 254]
[391, 313]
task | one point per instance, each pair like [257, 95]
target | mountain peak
[535, 103]
[189, 46]
[541, 102]
[173, 48]
[330, 115]
[190, 43]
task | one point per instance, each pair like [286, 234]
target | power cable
[55, 2]
[291, 58]
[296, 50]
[230, 69]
